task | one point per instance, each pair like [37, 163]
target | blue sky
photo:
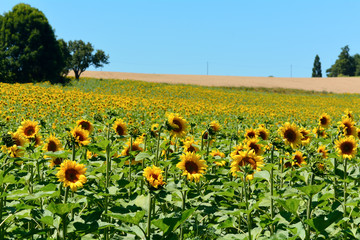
[239, 38]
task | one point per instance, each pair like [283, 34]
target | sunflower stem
[272, 190]
[247, 207]
[64, 222]
[148, 229]
[308, 209]
[335, 179]
[345, 192]
[158, 147]
[107, 183]
[73, 151]
[183, 194]
[130, 160]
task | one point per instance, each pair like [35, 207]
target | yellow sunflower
[154, 176]
[250, 133]
[120, 127]
[190, 146]
[135, 147]
[13, 142]
[248, 158]
[290, 134]
[18, 139]
[306, 137]
[28, 128]
[54, 162]
[263, 133]
[323, 151]
[346, 147]
[37, 140]
[237, 150]
[214, 127]
[349, 114]
[324, 120]
[177, 124]
[86, 125]
[72, 174]
[155, 128]
[80, 135]
[215, 153]
[52, 144]
[192, 166]
[348, 127]
[253, 144]
[320, 132]
[298, 159]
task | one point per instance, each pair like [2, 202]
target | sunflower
[37, 140]
[324, 120]
[72, 174]
[217, 153]
[253, 144]
[86, 125]
[346, 147]
[248, 158]
[155, 128]
[135, 147]
[177, 124]
[192, 166]
[28, 128]
[52, 144]
[154, 176]
[323, 151]
[319, 132]
[349, 114]
[18, 139]
[214, 127]
[298, 159]
[12, 142]
[348, 127]
[237, 150]
[250, 133]
[263, 133]
[305, 140]
[290, 134]
[120, 127]
[190, 146]
[80, 135]
[54, 162]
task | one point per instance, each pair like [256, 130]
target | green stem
[1, 211]
[64, 218]
[107, 180]
[149, 218]
[73, 151]
[335, 179]
[345, 192]
[183, 193]
[247, 207]
[272, 190]
[158, 148]
[308, 209]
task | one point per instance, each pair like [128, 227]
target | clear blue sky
[241, 38]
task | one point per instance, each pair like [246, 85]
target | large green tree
[29, 51]
[357, 64]
[344, 65]
[316, 71]
[82, 57]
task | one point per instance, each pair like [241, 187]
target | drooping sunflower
[154, 177]
[306, 137]
[178, 125]
[348, 127]
[349, 114]
[319, 132]
[86, 125]
[52, 144]
[214, 127]
[190, 146]
[346, 147]
[18, 139]
[54, 162]
[253, 144]
[217, 153]
[324, 120]
[299, 159]
[193, 167]
[246, 158]
[28, 128]
[135, 147]
[155, 128]
[263, 133]
[72, 174]
[250, 133]
[290, 134]
[120, 127]
[323, 151]
[37, 140]
[80, 136]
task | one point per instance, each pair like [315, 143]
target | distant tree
[82, 57]
[316, 71]
[357, 64]
[29, 51]
[344, 65]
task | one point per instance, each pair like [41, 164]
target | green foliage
[316, 71]
[344, 65]
[29, 51]
[357, 64]
[82, 56]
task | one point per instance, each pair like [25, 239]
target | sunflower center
[251, 134]
[29, 131]
[262, 135]
[290, 135]
[16, 141]
[248, 160]
[191, 167]
[298, 159]
[79, 136]
[57, 161]
[52, 146]
[323, 121]
[71, 175]
[119, 130]
[178, 127]
[191, 149]
[85, 125]
[305, 136]
[154, 176]
[346, 147]
[254, 147]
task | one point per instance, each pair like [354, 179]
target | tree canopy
[344, 65]
[29, 51]
[316, 71]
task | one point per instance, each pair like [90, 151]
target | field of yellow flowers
[118, 159]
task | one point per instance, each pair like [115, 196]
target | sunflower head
[217, 153]
[298, 159]
[154, 177]
[135, 147]
[263, 133]
[320, 132]
[348, 127]
[253, 144]
[18, 139]
[323, 151]
[245, 160]
[86, 125]
[250, 133]
[290, 134]
[193, 167]
[120, 127]
[177, 125]
[306, 137]
[348, 114]
[52, 144]
[80, 136]
[346, 147]
[55, 162]
[324, 120]
[154, 130]
[37, 140]
[237, 150]
[190, 146]
[214, 127]
[29, 128]
[72, 174]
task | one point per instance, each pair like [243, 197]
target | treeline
[345, 66]
[30, 52]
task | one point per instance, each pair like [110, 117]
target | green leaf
[141, 156]
[61, 208]
[322, 222]
[311, 190]
[47, 220]
[291, 204]
[262, 175]
[58, 154]
[133, 218]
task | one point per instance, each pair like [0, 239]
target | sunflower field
[122, 159]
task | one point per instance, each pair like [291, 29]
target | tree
[82, 57]
[316, 71]
[357, 64]
[29, 51]
[344, 65]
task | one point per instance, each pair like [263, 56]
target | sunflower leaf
[262, 175]
[133, 218]
[291, 204]
[311, 190]
[61, 208]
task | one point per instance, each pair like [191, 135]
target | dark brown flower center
[305, 136]
[154, 176]
[290, 135]
[29, 131]
[16, 141]
[255, 147]
[119, 130]
[79, 136]
[57, 161]
[191, 167]
[52, 146]
[178, 127]
[298, 159]
[263, 135]
[346, 147]
[71, 175]
[248, 161]
[251, 134]
[85, 125]
[323, 121]
[191, 149]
